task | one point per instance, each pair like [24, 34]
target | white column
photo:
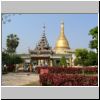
[51, 63]
[39, 62]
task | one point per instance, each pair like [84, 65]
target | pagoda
[42, 52]
[44, 55]
[62, 48]
[62, 45]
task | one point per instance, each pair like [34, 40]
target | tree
[94, 42]
[92, 58]
[63, 61]
[9, 57]
[12, 43]
[7, 17]
[17, 59]
[85, 57]
[81, 56]
[5, 58]
[10, 61]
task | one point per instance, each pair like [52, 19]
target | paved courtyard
[19, 79]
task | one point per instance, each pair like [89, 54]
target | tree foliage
[81, 56]
[85, 57]
[12, 43]
[94, 42]
[6, 18]
[5, 58]
[63, 61]
[11, 59]
[92, 58]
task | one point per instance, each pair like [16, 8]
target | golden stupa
[62, 45]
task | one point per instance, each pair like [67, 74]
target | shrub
[68, 80]
[69, 70]
[90, 70]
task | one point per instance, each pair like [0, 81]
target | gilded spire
[62, 43]
[62, 30]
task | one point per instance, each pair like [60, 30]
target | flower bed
[68, 80]
[90, 70]
[42, 71]
[69, 70]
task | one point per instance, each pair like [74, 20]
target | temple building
[44, 55]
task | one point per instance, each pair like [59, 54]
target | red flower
[68, 80]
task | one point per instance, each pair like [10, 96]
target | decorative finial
[62, 22]
[44, 28]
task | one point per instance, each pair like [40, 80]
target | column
[70, 60]
[46, 62]
[39, 62]
[51, 62]
[30, 66]
[42, 62]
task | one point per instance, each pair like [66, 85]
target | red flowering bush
[69, 70]
[68, 80]
[90, 70]
[37, 69]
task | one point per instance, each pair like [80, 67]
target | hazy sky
[29, 28]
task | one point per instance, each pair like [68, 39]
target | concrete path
[19, 79]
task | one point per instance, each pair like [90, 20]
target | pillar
[42, 62]
[30, 66]
[46, 63]
[39, 62]
[51, 63]
[70, 61]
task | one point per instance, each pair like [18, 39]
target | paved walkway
[20, 78]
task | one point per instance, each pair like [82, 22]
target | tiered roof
[43, 46]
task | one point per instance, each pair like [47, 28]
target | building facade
[44, 55]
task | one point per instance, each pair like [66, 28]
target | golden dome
[62, 43]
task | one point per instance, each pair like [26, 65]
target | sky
[29, 29]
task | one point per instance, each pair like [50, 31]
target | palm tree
[12, 43]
